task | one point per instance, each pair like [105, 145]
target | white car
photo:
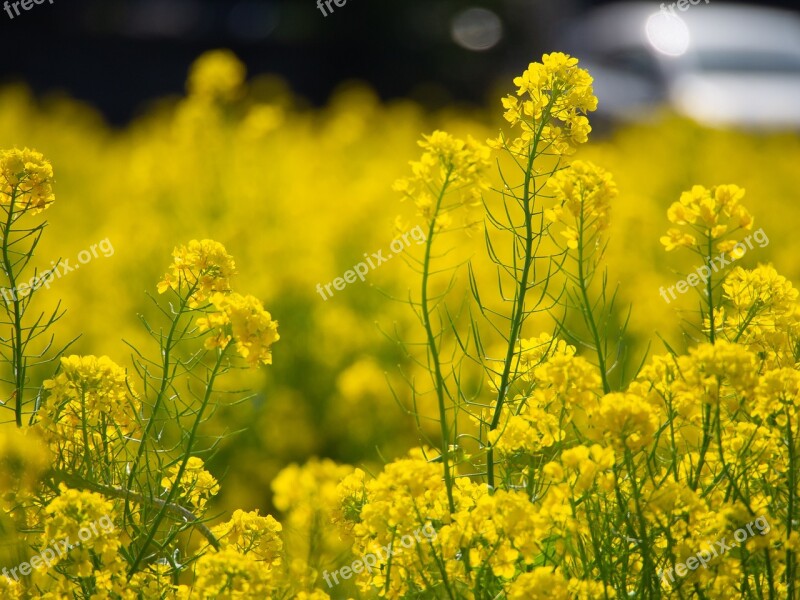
[722, 65]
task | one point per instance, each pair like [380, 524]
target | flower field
[581, 382]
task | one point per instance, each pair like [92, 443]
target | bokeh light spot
[667, 33]
[477, 29]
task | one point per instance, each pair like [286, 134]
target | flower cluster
[202, 270]
[250, 326]
[583, 193]
[88, 406]
[447, 164]
[27, 178]
[711, 214]
[550, 107]
[202, 267]
[761, 313]
[69, 516]
[250, 533]
[197, 485]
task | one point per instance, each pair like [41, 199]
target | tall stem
[434, 350]
[182, 469]
[587, 307]
[18, 358]
[518, 313]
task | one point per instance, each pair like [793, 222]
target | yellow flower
[554, 97]
[308, 496]
[90, 395]
[675, 238]
[252, 534]
[86, 519]
[446, 160]
[202, 267]
[711, 213]
[580, 467]
[11, 589]
[314, 595]
[778, 393]
[230, 575]
[714, 373]
[535, 351]
[197, 485]
[583, 193]
[27, 176]
[625, 420]
[762, 312]
[530, 432]
[567, 380]
[217, 74]
[251, 327]
[548, 583]
[760, 288]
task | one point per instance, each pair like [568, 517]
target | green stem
[113, 492]
[18, 358]
[587, 307]
[518, 314]
[182, 469]
[709, 291]
[165, 379]
[648, 567]
[432, 346]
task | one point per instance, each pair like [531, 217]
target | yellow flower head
[759, 289]
[86, 518]
[709, 213]
[531, 432]
[197, 485]
[762, 312]
[308, 496]
[352, 493]
[535, 351]
[252, 534]
[90, 395]
[314, 595]
[626, 420]
[446, 160]
[244, 319]
[583, 193]
[310, 486]
[201, 267]
[231, 575]
[217, 75]
[28, 177]
[553, 97]
[547, 583]
[11, 589]
[720, 373]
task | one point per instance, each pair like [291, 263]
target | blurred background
[119, 55]
[293, 173]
